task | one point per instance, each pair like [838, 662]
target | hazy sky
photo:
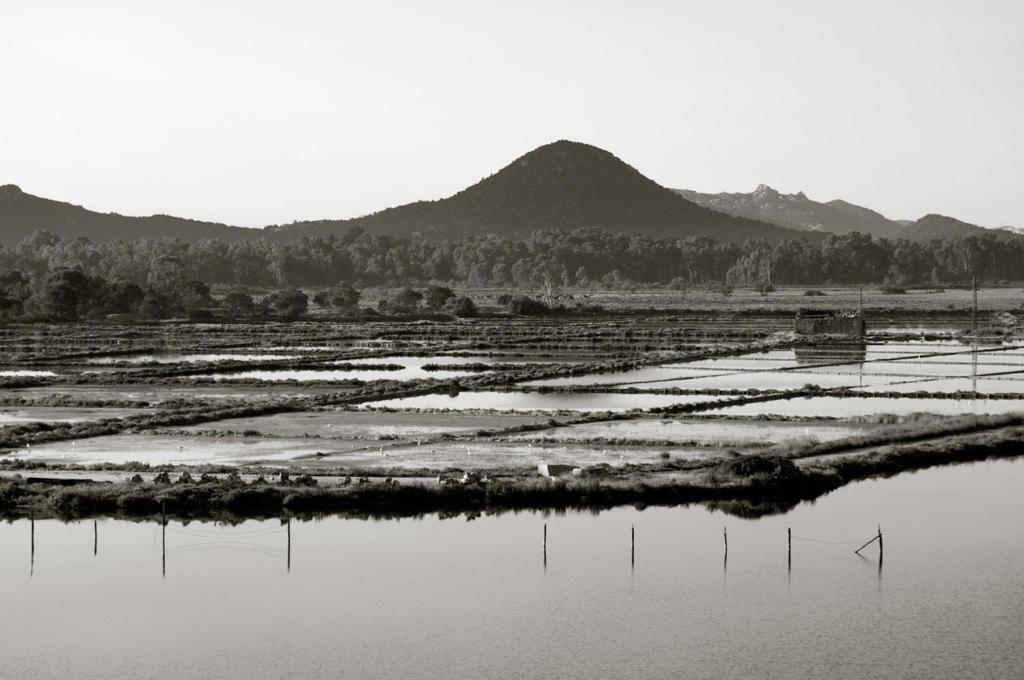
[256, 112]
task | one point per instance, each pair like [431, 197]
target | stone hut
[829, 322]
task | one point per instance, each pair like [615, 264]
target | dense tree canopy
[544, 259]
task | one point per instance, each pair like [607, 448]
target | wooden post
[32, 554]
[725, 555]
[163, 539]
[545, 544]
[289, 565]
[632, 546]
[876, 537]
[789, 547]
[974, 309]
[974, 367]
[95, 538]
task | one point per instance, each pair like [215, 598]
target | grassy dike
[748, 486]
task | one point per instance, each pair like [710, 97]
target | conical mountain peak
[561, 185]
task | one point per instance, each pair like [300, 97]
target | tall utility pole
[974, 309]
[974, 336]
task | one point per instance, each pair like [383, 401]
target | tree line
[569, 258]
[160, 277]
[68, 294]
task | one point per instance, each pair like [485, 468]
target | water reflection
[226, 537]
[429, 597]
[831, 353]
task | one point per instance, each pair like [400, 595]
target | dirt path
[1005, 430]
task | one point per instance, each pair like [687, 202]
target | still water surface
[540, 401]
[432, 598]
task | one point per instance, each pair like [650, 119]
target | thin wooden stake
[289, 544]
[789, 547]
[95, 538]
[725, 555]
[545, 544]
[163, 539]
[873, 539]
[632, 545]
[974, 308]
[32, 555]
[876, 537]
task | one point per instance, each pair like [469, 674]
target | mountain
[562, 185]
[22, 214]
[796, 211]
[942, 227]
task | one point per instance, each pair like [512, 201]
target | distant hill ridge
[23, 214]
[562, 185]
[942, 227]
[797, 211]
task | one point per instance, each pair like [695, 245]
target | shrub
[239, 303]
[463, 307]
[813, 293]
[404, 301]
[289, 304]
[435, 297]
[344, 297]
[522, 305]
[756, 469]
